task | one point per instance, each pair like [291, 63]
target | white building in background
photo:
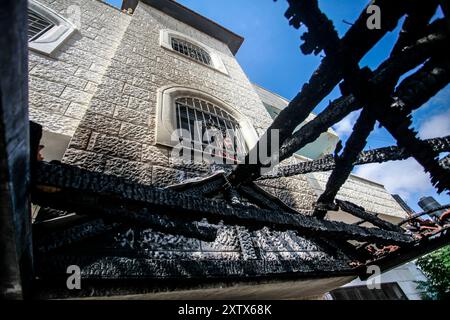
[399, 283]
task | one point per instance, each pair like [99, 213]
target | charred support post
[345, 163]
[385, 154]
[15, 214]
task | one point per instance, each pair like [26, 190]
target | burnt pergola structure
[110, 202]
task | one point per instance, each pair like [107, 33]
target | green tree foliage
[436, 267]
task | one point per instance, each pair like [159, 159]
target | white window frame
[166, 116]
[53, 38]
[166, 36]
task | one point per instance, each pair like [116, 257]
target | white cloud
[345, 126]
[436, 126]
[441, 98]
[401, 177]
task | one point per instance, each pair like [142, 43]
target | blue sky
[271, 58]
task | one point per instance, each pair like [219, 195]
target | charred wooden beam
[333, 113]
[163, 223]
[412, 92]
[346, 247]
[265, 199]
[72, 189]
[203, 187]
[143, 218]
[398, 127]
[321, 34]
[392, 68]
[55, 240]
[327, 163]
[353, 46]
[49, 220]
[373, 96]
[404, 255]
[396, 118]
[445, 162]
[168, 273]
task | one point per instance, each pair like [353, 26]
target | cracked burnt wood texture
[118, 199]
[248, 233]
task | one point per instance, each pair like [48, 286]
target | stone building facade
[99, 94]
[99, 91]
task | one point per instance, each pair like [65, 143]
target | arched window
[202, 123]
[191, 50]
[209, 128]
[47, 30]
[37, 25]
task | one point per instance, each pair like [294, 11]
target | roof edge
[199, 22]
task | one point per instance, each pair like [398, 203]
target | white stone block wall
[62, 85]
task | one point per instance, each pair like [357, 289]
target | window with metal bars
[191, 50]
[37, 25]
[209, 129]
[388, 291]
